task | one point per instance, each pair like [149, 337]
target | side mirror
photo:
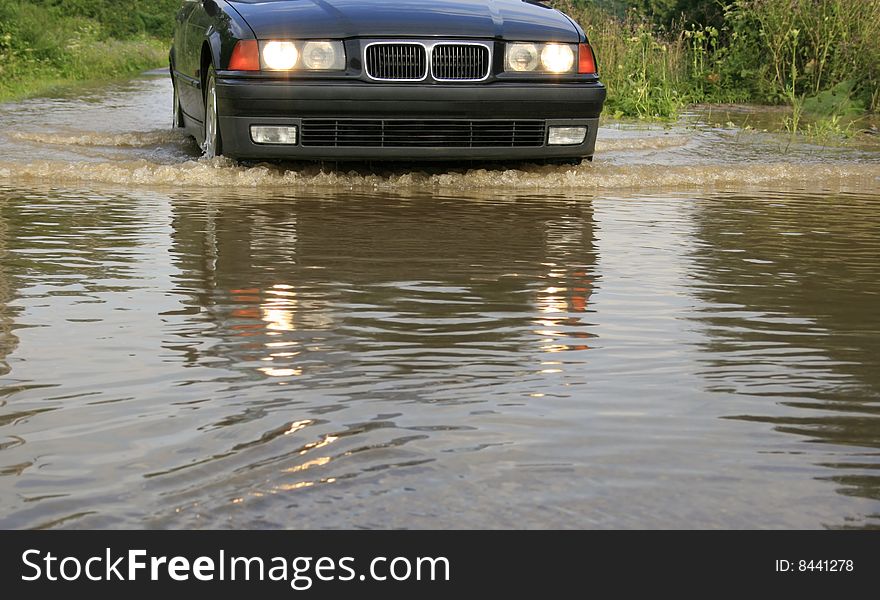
[211, 8]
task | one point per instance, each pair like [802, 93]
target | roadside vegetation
[45, 43]
[820, 57]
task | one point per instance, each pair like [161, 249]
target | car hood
[506, 19]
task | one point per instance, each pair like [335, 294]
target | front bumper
[244, 102]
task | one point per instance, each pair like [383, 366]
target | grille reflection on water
[390, 294]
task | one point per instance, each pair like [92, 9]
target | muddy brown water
[684, 333]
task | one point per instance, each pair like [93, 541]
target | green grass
[47, 43]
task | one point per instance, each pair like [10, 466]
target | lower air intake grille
[399, 133]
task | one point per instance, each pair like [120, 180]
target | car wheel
[213, 143]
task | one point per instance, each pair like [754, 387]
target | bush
[800, 48]
[669, 12]
[801, 52]
[119, 19]
[652, 72]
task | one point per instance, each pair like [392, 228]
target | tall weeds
[809, 46]
[806, 53]
[645, 73]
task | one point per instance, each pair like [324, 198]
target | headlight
[324, 56]
[280, 56]
[522, 57]
[541, 58]
[557, 58]
[302, 56]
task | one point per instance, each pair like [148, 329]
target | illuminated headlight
[566, 136]
[323, 56]
[557, 58]
[302, 56]
[541, 58]
[280, 56]
[267, 134]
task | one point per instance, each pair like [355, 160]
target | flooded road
[682, 334]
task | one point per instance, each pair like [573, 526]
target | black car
[385, 79]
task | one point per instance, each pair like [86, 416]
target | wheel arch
[205, 61]
[210, 54]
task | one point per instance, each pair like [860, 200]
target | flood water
[683, 334]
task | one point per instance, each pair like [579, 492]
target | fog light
[567, 136]
[264, 134]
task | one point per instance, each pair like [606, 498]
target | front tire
[212, 145]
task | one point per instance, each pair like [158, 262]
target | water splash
[642, 143]
[224, 173]
[134, 139]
